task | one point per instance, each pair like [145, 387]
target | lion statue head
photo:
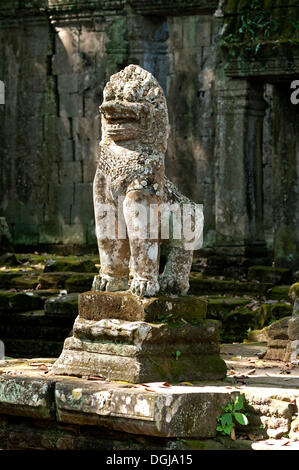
[134, 108]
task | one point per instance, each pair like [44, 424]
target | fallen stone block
[170, 411]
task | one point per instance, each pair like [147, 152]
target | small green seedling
[233, 413]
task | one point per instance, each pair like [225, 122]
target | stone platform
[41, 410]
[119, 336]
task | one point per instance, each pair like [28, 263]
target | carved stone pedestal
[123, 337]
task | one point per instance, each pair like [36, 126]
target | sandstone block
[125, 306]
[66, 305]
[178, 411]
[122, 337]
[25, 396]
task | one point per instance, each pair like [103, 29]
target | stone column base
[144, 340]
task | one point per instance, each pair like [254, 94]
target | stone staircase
[39, 300]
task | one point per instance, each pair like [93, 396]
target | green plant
[256, 26]
[232, 413]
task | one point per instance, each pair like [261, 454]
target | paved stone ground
[248, 373]
[246, 366]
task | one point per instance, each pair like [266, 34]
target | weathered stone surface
[294, 292]
[139, 351]
[278, 347]
[202, 286]
[280, 293]
[53, 280]
[279, 329]
[73, 282]
[66, 305]
[175, 411]
[273, 408]
[219, 306]
[20, 301]
[80, 282]
[80, 266]
[125, 306]
[269, 274]
[8, 259]
[258, 336]
[25, 396]
[293, 328]
[237, 323]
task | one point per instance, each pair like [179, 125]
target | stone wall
[55, 58]
[55, 62]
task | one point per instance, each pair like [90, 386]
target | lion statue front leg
[144, 260]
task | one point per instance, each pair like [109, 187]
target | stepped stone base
[283, 343]
[120, 348]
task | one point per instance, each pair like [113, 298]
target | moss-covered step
[70, 265]
[34, 324]
[269, 274]
[6, 277]
[269, 312]
[279, 293]
[20, 301]
[62, 305]
[236, 324]
[200, 285]
[18, 279]
[72, 282]
[9, 259]
[219, 306]
[30, 348]
[257, 336]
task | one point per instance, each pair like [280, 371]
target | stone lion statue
[132, 196]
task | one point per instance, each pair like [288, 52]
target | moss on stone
[236, 325]
[294, 291]
[200, 285]
[218, 307]
[279, 293]
[117, 45]
[70, 265]
[269, 274]
[79, 282]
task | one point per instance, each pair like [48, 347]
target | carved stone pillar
[239, 186]
[285, 164]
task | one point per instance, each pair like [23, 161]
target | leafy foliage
[256, 25]
[232, 413]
